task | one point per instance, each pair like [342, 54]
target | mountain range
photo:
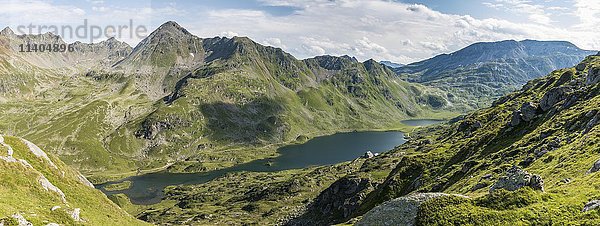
[482, 72]
[180, 103]
[531, 158]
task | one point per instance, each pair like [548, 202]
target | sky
[401, 31]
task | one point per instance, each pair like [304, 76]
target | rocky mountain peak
[172, 27]
[7, 32]
[333, 62]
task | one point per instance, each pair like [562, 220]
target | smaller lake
[421, 122]
[319, 151]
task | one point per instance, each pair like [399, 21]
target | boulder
[528, 111]
[591, 205]
[592, 123]
[580, 67]
[516, 178]
[566, 180]
[564, 78]
[75, 214]
[400, 211]
[593, 76]
[20, 220]
[338, 201]
[552, 97]
[516, 119]
[595, 167]
[368, 155]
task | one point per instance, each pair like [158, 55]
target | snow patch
[38, 152]
[50, 187]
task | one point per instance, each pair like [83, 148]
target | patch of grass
[118, 186]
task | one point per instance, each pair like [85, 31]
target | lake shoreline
[341, 147]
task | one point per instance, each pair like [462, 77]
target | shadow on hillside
[253, 122]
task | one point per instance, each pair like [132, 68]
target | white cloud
[229, 34]
[382, 30]
[535, 12]
[275, 42]
[379, 29]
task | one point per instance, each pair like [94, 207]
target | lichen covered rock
[593, 76]
[516, 178]
[591, 205]
[400, 211]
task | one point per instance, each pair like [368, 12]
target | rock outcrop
[526, 113]
[553, 96]
[595, 167]
[48, 186]
[580, 67]
[593, 76]
[337, 203]
[516, 178]
[400, 211]
[594, 204]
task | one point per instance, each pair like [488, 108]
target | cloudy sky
[401, 31]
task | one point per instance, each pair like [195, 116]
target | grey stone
[591, 205]
[595, 167]
[553, 96]
[528, 111]
[516, 119]
[580, 67]
[564, 78]
[368, 155]
[516, 178]
[592, 123]
[400, 211]
[593, 76]
[566, 180]
[479, 186]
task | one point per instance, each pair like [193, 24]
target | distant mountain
[391, 64]
[83, 56]
[536, 148]
[487, 70]
[191, 103]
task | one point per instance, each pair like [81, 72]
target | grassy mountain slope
[250, 96]
[42, 189]
[558, 141]
[200, 104]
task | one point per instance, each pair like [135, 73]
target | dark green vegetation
[186, 104]
[180, 103]
[558, 140]
[42, 189]
[119, 186]
[483, 72]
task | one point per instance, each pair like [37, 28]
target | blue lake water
[319, 151]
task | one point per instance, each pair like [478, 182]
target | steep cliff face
[40, 189]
